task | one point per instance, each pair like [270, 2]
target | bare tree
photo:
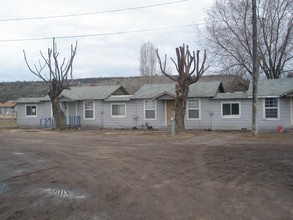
[148, 60]
[229, 35]
[57, 78]
[187, 64]
[255, 68]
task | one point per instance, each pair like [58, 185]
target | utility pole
[255, 69]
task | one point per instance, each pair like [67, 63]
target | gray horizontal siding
[210, 115]
[91, 123]
[121, 122]
[272, 125]
[204, 121]
[221, 123]
[43, 111]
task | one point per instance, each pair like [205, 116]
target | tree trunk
[255, 70]
[187, 64]
[58, 114]
[180, 104]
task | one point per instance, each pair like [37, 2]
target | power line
[99, 35]
[92, 13]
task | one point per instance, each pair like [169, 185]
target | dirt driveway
[106, 174]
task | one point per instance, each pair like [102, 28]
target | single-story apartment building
[208, 107]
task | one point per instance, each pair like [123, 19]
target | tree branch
[163, 68]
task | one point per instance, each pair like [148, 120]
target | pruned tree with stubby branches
[189, 69]
[58, 77]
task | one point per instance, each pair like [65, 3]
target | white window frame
[230, 116]
[31, 116]
[199, 109]
[264, 109]
[84, 110]
[118, 116]
[150, 109]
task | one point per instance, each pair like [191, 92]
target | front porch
[71, 121]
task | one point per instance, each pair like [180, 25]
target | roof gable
[205, 89]
[288, 94]
[152, 91]
[93, 93]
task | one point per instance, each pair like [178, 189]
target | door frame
[166, 111]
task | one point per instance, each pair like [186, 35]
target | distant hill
[16, 90]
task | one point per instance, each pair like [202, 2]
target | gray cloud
[109, 55]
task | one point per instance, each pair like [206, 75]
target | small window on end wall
[31, 110]
[231, 110]
[271, 108]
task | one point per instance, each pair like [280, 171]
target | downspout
[102, 115]
[67, 114]
[211, 116]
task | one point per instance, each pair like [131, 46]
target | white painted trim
[144, 115]
[51, 109]
[291, 111]
[67, 113]
[264, 110]
[118, 116]
[262, 97]
[94, 115]
[231, 116]
[199, 110]
[166, 122]
[31, 116]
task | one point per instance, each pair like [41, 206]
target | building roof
[92, 92]
[8, 104]
[118, 98]
[198, 89]
[150, 91]
[273, 87]
[231, 83]
[205, 89]
[234, 95]
[31, 100]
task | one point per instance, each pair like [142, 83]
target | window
[89, 110]
[150, 109]
[231, 110]
[271, 108]
[31, 110]
[193, 109]
[118, 110]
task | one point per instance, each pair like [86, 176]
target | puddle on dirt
[18, 153]
[19, 171]
[64, 193]
[3, 188]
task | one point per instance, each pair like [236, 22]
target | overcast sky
[116, 34]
